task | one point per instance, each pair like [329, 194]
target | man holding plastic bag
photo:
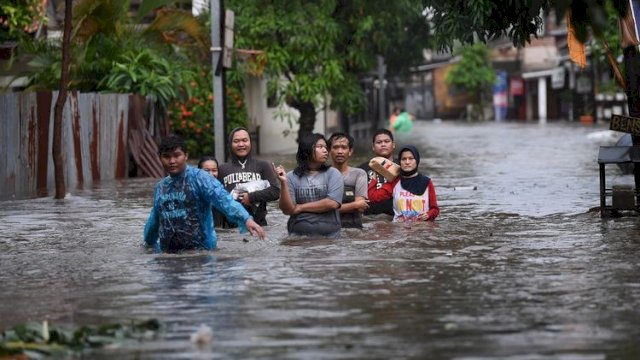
[250, 181]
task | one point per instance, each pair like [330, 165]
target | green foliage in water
[36, 339]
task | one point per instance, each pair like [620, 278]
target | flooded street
[518, 268]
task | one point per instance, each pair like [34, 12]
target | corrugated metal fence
[94, 141]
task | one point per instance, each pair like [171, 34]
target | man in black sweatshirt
[243, 168]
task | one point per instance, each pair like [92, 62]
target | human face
[383, 146]
[340, 152]
[174, 161]
[407, 161]
[211, 167]
[320, 152]
[241, 144]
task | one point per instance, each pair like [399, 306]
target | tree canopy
[319, 49]
[519, 20]
[475, 74]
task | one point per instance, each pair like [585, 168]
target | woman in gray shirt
[312, 193]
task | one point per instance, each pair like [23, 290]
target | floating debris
[203, 336]
[457, 188]
[35, 339]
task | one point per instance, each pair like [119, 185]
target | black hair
[340, 135]
[380, 132]
[205, 159]
[172, 143]
[306, 151]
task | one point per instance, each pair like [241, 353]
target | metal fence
[94, 141]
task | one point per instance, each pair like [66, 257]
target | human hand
[281, 173]
[361, 204]
[255, 229]
[423, 217]
[244, 199]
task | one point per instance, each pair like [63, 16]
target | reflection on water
[518, 268]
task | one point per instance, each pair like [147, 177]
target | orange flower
[185, 112]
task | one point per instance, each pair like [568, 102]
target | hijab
[415, 184]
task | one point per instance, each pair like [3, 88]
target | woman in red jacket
[414, 196]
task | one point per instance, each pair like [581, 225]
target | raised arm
[384, 192]
[285, 202]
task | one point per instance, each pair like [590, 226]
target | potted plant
[587, 117]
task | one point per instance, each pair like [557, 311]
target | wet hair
[338, 136]
[380, 132]
[205, 159]
[171, 143]
[306, 150]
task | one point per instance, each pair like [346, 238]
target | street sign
[227, 46]
[517, 86]
[557, 78]
[625, 124]
[583, 85]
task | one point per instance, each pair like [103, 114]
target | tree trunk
[58, 160]
[632, 74]
[307, 118]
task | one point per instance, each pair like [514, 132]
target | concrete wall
[278, 127]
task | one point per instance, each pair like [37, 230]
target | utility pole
[632, 79]
[382, 69]
[218, 78]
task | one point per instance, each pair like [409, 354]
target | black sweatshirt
[233, 173]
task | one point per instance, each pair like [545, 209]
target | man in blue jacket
[181, 215]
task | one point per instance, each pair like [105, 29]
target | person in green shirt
[403, 123]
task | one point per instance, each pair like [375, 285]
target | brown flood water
[517, 269]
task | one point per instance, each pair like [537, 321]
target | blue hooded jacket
[181, 215]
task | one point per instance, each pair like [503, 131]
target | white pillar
[217, 74]
[572, 87]
[542, 99]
